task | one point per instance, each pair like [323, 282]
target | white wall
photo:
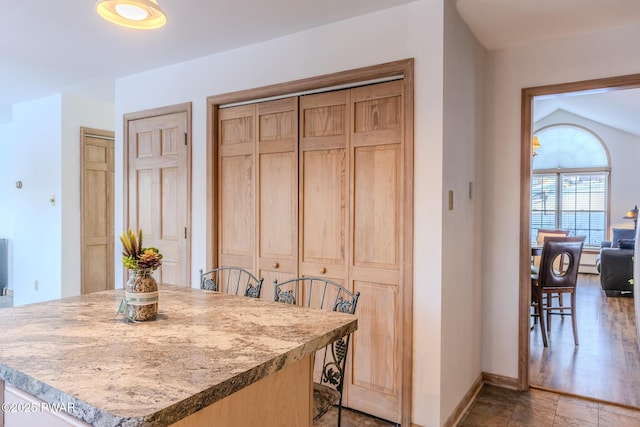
[571, 59]
[7, 189]
[414, 30]
[36, 161]
[77, 112]
[624, 152]
[464, 60]
[41, 148]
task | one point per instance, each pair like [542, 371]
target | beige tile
[493, 394]
[580, 410]
[615, 416]
[540, 399]
[530, 416]
[632, 413]
[611, 419]
[561, 421]
[475, 420]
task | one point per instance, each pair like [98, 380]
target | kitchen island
[208, 359]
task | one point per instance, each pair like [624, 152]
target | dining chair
[329, 362]
[535, 260]
[231, 280]
[553, 279]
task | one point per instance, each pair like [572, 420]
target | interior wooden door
[236, 186]
[351, 164]
[324, 185]
[96, 207]
[159, 189]
[277, 148]
[375, 381]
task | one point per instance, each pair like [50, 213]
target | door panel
[376, 192]
[324, 191]
[96, 198]
[159, 189]
[236, 187]
[375, 380]
[278, 192]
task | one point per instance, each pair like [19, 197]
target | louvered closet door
[374, 384]
[277, 149]
[236, 187]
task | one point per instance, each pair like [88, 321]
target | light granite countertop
[203, 347]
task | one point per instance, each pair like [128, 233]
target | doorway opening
[575, 367]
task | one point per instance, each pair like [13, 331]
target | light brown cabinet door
[341, 180]
[96, 206]
[277, 147]
[375, 382]
[236, 187]
[324, 185]
[258, 189]
[351, 151]
[159, 188]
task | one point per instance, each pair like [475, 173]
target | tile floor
[497, 407]
[351, 418]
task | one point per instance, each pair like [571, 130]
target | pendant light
[140, 14]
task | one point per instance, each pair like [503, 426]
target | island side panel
[20, 409]
[284, 398]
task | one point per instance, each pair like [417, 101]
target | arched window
[569, 183]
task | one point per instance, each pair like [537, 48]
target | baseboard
[465, 403]
[501, 381]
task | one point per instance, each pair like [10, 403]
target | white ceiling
[49, 47]
[500, 24]
[504, 23]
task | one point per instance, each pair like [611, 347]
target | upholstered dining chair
[535, 261]
[330, 362]
[231, 280]
[542, 233]
[551, 278]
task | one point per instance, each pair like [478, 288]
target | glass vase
[141, 295]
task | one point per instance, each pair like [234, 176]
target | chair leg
[543, 329]
[560, 303]
[573, 318]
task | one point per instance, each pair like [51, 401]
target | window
[569, 184]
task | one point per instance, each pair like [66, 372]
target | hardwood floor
[606, 364]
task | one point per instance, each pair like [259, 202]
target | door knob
[323, 270]
[275, 265]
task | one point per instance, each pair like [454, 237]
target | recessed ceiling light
[141, 14]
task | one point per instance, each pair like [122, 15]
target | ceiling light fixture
[535, 146]
[140, 14]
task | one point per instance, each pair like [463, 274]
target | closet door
[277, 184]
[375, 382]
[324, 185]
[236, 186]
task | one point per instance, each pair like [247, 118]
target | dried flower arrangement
[134, 256]
[141, 291]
